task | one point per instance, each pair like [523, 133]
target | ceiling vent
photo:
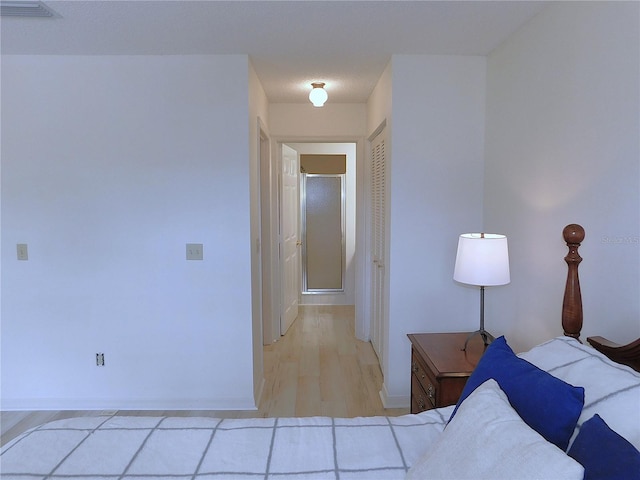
[26, 9]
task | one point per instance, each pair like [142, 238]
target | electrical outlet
[100, 359]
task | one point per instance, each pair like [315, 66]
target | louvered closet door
[378, 231]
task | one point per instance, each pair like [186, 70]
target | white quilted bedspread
[209, 448]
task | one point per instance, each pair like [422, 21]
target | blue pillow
[547, 404]
[603, 453]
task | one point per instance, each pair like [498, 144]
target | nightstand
[440, 369]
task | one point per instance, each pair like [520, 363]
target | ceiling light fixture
[318, 94]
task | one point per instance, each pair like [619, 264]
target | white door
[378, 243]
[289, 240]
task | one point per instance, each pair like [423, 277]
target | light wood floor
[317, 368]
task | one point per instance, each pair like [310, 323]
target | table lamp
[482, 260]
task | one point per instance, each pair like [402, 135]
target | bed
[561, 410]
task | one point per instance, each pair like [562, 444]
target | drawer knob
[431, 392]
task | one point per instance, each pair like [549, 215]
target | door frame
[363, 243]
[268, 236]
[304, 177]
[379, 317]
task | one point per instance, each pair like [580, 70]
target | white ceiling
[346, 44]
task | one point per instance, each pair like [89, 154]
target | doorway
[282, 164]
[322, 211]
[334, 249]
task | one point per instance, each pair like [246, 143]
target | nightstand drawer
[422, 398]
[423, 384]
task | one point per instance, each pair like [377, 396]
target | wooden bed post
[572, 304]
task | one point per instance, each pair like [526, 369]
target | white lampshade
[318, 94]
[482, 259]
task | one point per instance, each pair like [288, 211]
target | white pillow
[487, 439]
[611, 390]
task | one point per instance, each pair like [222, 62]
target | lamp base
[487, 338]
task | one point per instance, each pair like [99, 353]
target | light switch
[194, 251]
[23, 252]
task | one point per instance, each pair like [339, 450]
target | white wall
[563, 147]
[258, 120]
[110, 165]
[379, 103]
[435, 190]
[334, 121]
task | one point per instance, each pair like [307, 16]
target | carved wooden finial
[573, 233]
[572, 304]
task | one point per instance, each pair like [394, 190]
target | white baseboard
[394, 401]
[258, 393]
